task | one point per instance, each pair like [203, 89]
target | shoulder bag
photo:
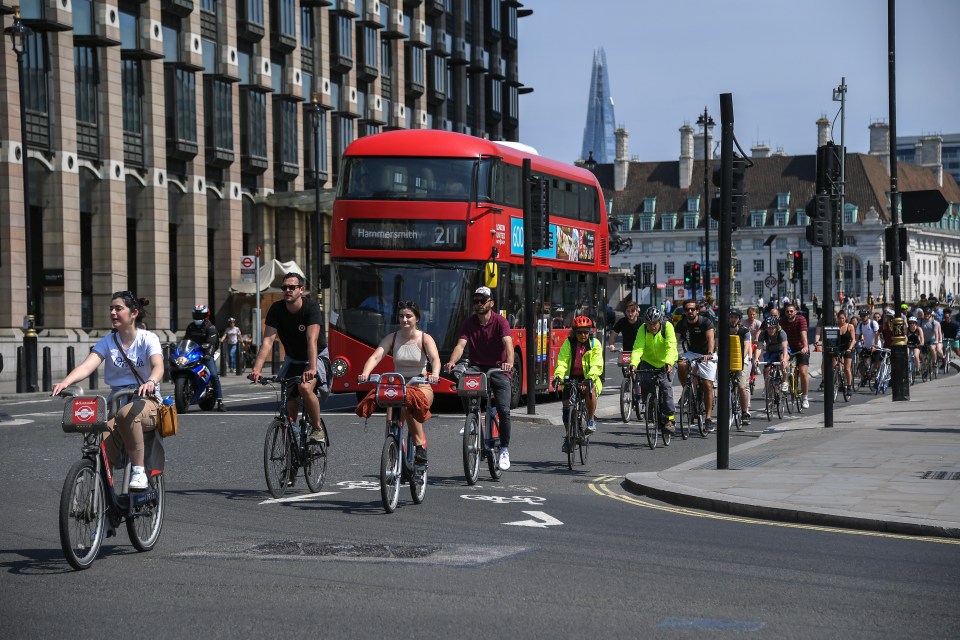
[166, 414]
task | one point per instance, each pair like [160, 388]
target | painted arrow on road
[543, 520]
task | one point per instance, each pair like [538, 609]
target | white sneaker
[504, 459]
[138, 479]
[804, 402]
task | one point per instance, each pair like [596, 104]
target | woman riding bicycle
[846, 346]
[411, 349]
[915, 341]
[580, 358]
[656, 346]
[141, 348]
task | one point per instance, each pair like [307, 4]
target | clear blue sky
[780, 59]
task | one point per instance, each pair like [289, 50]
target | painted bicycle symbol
[534, 500]
[366, 485]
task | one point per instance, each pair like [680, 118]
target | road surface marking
[541, 520]
[306, 496]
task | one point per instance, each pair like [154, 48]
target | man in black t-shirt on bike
[299, 323]
[695, 332]
[627, 326]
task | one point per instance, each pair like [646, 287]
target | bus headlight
[340, 366]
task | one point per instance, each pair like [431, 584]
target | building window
[783, 200]
[284, 17]
[669, 246]
[758, 266]
[311, 143]
[757, 244]
[649, 205]
[802, 218]
[87, 82]
[690, 221]
[129, 25]
[737, 265]
[693, 203]
[36, 73]
[714, 225]
[669, 221]
[646, 223]
[758, 289]
[342, 137]
[669, 268]
[182, 108]
[285, 131]
[251, 11]
[626, 222]
[218, 117]
[780, 243]
[693, 246]
[646, 247]
[131, 73]
[758, 218]
[780, 218]
[344, 36]
[850, 214]
[253, 123]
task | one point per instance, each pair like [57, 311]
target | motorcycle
[191, 377]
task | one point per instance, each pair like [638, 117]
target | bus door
[541, 302]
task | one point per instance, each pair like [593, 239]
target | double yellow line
[600, 487]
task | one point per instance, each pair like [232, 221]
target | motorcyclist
[204, 333]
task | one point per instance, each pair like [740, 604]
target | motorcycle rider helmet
[652, 315]
[200, 313]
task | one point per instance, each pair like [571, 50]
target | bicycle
[630, 397]
[854, 368]
[795, 397]
[287, 447]
[840, 379]
[397, 460]
[691, 403]
[576, 436]
[653, 420]
[481, 438]
[91, 508]
[928, 366]
[773, 397]
[883, 372]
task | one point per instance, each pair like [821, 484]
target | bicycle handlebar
[374, 378]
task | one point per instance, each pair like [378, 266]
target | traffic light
[637, 275]
[828, 168]
[687, 276]
[869, 272]
[739, 193]
[884, 271]
[695, 274]
[540, 214]
[798, 265]
[820, 210]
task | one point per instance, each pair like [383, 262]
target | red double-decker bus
[429, 216]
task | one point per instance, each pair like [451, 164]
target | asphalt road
[544, 553]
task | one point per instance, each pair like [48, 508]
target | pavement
[884, 466]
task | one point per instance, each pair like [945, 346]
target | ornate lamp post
[707, 123]
[317, 114]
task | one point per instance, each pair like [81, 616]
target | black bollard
[71, 359]
[47, 374]
[275, 361]
[30, 357]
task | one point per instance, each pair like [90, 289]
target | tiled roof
[867, 184]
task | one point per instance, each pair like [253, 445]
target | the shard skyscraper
[598, 135]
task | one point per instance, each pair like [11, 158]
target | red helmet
[582, 322]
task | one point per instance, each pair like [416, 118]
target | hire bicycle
[97, 498]
[288, 448]
[631, 401]
[481, 437]
[397, 460]
[794, 390]
[691, 410]
[773, 397]
[576, 436]
[840, 379]
[883, 372]
[653, 419]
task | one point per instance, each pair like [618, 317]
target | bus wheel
[516, 382]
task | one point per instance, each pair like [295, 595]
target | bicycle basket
[85, 414]
[391, 391]
[472, 385]
[625, 358]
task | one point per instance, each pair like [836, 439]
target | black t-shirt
[628, 331]
[292, 327]
[949, 329]
[772, 343]
[695, 335]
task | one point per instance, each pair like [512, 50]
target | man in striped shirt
[796, 327]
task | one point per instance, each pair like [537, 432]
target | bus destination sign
[407, 235]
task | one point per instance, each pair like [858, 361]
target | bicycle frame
[397, 460]
[483, 415]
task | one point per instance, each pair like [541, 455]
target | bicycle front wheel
[583, 440]
[769, 399]
[276, 458]
[418, 479]
[651, 420]
[315, 462]
[144, 527]
[82, 515]
[572, 435]
[471, 448]
[626, 400]
[390, 474]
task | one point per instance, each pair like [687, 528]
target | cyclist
[298, 322]
[411, 349]
[772, 347]
[488, 335]
[580, 357]
[932, 334]
[204, 333]
[696, 333]
[738, 379]
[796, 327]
[886, 329]
[657, 348]
[949, 329]
[627, 326]
[846, 346]
[915, 341]
[142, 348]
[868, 337]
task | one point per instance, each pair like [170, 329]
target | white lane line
[306, 496]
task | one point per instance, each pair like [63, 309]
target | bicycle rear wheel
[583, 440]
[315, 463]
[781, 403]
[626, 399]
[390, 474]
[82, 515]
[651, 419]
[471, 448]
[144, 528]
[418, 479]
[276, 458]
[685, 410]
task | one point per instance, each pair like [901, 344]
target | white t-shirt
[868, 330]
[233, 334]
[116, 372]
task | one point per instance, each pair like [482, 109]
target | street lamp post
[316, 115]
[19, 33]
[590, 164]
[707, 123]
[768, 243]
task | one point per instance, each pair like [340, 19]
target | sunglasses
[582, 332]
[480, 300]
[290, 287]
[688, 310]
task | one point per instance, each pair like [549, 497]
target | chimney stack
[620, 164]
[930, 156]
[880, 142]
[686, 156]
[760, 150]
[698, 144]
[823, 132]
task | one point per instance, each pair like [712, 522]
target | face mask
[198, 322]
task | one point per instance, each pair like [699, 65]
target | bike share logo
[85, 410]
[472, 383]
[391, 393]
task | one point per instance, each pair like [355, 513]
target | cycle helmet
[889, 313]
[736, 312]
[912, 319]
[652, 315]
[582, 322]
[864, 313]
[771, 322]
[201, 312]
